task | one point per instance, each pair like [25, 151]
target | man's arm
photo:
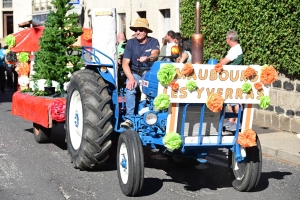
[131, 83]
[153, 56]
[224, 61]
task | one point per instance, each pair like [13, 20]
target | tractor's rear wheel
[130, 163]
[88, 125]
[41, 134]
[245, 175]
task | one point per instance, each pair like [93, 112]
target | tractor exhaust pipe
[197, 40]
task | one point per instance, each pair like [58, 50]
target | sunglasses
[140, 30]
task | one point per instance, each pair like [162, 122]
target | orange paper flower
[219, 68]
[268, 75]
[258, 86]
[87, 35]
[249, 72]
[24, 69]
[187, 68]
[247, 139]
[215, 102]
[174, 86]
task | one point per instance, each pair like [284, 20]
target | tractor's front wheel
[245, 175]
[130, 163]
[88, 125]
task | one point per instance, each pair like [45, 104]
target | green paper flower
[191, 85]
[166, 74]
[10, 40]
[172, 140]
[24, 57]
[246, 87]
[264, 102]
[162, 101]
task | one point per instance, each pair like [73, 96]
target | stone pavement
[282, 145]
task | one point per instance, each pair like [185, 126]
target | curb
[279, 153]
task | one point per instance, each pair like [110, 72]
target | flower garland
[264, 102]
[249, 72]
[191, 85]
[57, 110]
[166, 74]
[174, 85]
[162, 101]
[258, 86]
[10, 40]
[187, 69]
[24, 57]
[247, 138]
[246, 87]
[23, 69]
[219, 68]
[215, 102]
[172, 141]
[268, 75]
[87, 35]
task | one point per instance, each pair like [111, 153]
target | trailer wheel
[245, 175]
[41, 134]
[88, 125]
[130, 163]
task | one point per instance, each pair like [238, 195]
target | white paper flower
[23, 80]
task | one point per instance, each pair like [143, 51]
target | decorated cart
[43, 111]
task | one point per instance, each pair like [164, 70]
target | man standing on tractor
[139, 55]
[233, 57]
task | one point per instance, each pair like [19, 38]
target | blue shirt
[2, 57]
[134, 50]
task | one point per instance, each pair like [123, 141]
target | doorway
[8, 23]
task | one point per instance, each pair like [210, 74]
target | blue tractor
[95, 109]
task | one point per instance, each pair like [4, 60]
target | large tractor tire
[245, 175]
[41, 134]
[88, 125]
[130, 163]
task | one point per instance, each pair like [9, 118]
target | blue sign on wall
[74, 2]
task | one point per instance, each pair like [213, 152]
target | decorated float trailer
[43, 111]
[181, 112]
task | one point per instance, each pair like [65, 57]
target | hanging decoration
[215, 102]
[264, 102]
[247, 138]
[162, 101]
[268, 74]
[246, 87]
[172, 141]
[166, 74]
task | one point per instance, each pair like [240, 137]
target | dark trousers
[12, 77]
[2, 78]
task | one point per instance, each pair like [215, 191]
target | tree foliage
[268, 31]
[56, 50]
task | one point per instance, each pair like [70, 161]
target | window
[122, 24]
[7, 3]
[142, 14]
[166, 19]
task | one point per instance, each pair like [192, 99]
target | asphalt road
[33, 171]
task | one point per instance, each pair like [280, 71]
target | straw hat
[141, 23]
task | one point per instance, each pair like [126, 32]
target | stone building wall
[284, 111]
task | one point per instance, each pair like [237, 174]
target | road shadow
[213, 175]
[57, 136]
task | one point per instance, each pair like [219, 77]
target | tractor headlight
[150, 118]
